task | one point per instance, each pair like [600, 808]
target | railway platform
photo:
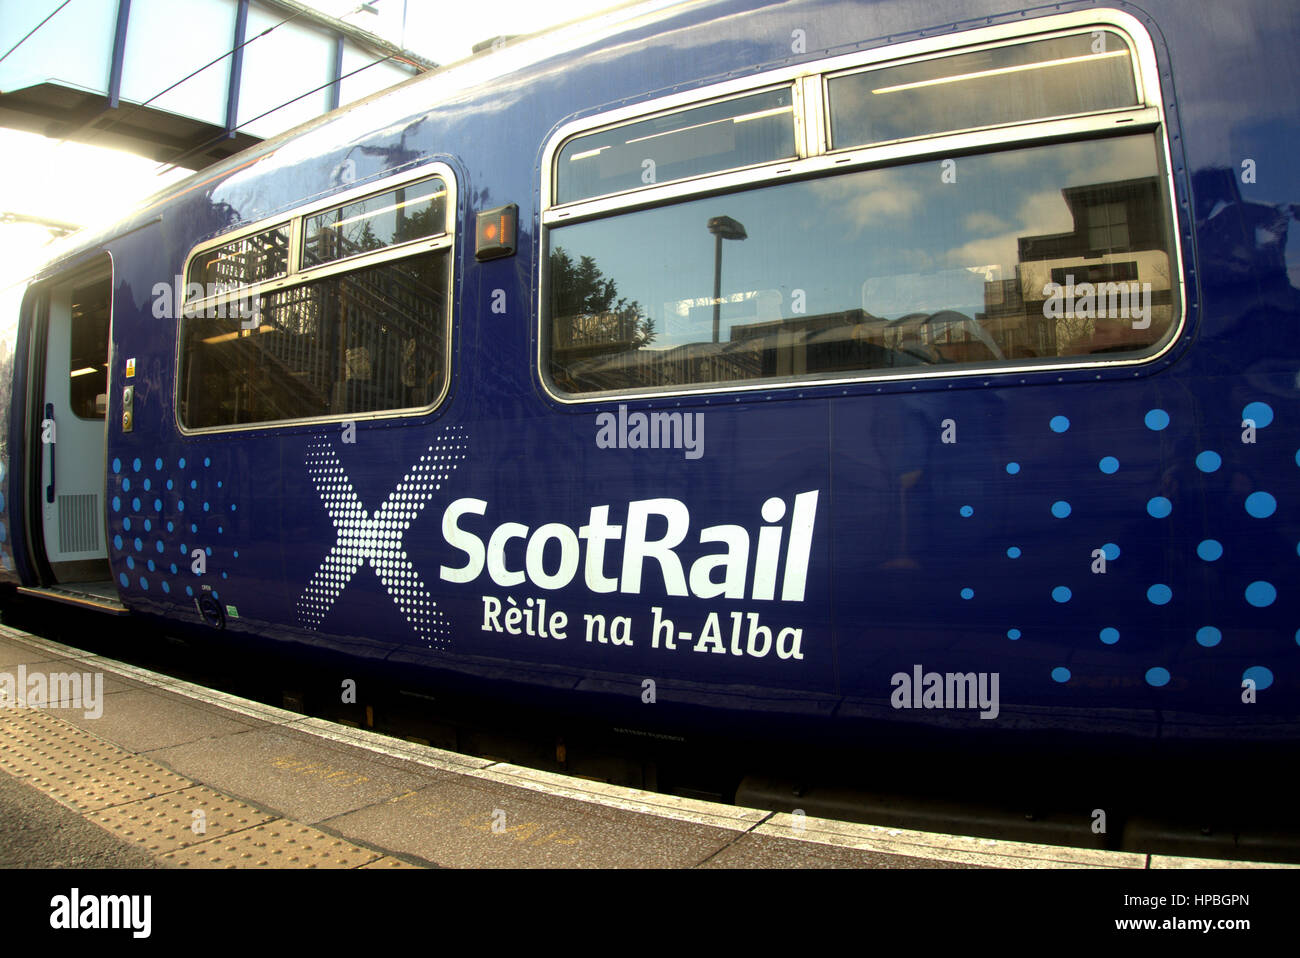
[110, 765]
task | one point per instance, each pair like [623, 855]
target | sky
[89, 185]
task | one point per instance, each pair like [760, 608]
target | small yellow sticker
[130, 368]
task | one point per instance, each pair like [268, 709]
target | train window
[357, 342]
[356, 323]
[877, 269]
[410, 212]
[244, 262]
[1061, 76]
[87, 368]
[725, 135]
[1025, 241]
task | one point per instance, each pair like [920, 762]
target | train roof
[512, 63]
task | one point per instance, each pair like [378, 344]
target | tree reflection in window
[589, 317]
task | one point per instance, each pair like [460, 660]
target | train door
[69, 410]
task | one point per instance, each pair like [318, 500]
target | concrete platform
[162, 773]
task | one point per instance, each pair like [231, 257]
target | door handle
[49, 419]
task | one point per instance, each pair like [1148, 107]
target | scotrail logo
[53, 690]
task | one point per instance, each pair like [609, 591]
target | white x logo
[377, 536]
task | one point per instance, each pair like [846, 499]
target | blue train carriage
[801, 366]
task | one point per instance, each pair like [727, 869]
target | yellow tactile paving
[145, 803]
[90, 788]
[177, 820]
[36, 734]
[76, 768]
[277, 844]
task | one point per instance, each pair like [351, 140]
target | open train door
[68, 410]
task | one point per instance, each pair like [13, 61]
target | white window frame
[817, 156]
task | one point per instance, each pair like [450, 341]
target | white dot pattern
[376, 537]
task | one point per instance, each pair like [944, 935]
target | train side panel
[1116, 545]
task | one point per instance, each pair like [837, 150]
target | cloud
[866, 207]
[982, 221]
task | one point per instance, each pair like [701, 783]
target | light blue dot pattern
[1061, 593]
[1014, 634]
[1059, 424]
[1261, 505]
[1210, 549]
[1209, 461]
[1156, 419]
[1159, 594]
[1060, 674]
[1060, 508]
[1261, 676]
[1109, 465]
[968, 593]
[1261, 413]
[967, 511]
[1014, 467]
[1208, 636]
[1110, 551]
[1013, 552]
[1109, 635]
[1159, 507]
[1158, 677]
[1261, 594]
